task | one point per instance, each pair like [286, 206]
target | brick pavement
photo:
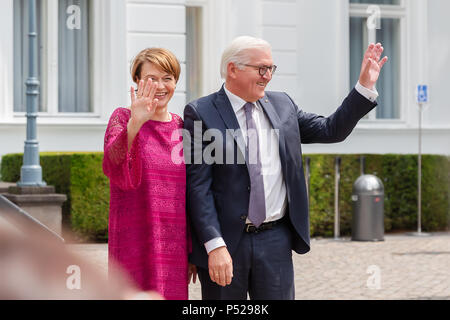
[401, 267]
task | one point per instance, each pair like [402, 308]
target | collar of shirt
[237, 102]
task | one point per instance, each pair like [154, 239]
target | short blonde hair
[160, 57]
[236, 52]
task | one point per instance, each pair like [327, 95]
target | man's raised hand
[372, 65]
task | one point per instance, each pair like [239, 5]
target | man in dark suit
[248, 216]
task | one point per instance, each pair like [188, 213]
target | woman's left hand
[192, 273]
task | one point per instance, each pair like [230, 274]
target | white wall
[426, 59]
[310, 47]
[322, 55]
[280, 29]
[152, 23]
[439, 63]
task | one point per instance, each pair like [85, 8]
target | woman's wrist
[134, 125]
[133, 128]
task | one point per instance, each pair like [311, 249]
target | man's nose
[268, 75]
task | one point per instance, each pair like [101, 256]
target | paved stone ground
[401, 267]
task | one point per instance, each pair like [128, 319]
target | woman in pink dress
[148, 233]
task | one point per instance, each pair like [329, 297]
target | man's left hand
[372, 65]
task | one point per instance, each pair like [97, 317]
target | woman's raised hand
[143, 106]
[143, 103]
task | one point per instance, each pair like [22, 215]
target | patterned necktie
[257, 204]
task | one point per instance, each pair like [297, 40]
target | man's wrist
[370, 94]
[214, 244]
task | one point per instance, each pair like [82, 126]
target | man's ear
[231, 69]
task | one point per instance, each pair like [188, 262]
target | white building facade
[86, 47]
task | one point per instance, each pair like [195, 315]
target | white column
[110, 74]
[217, 36]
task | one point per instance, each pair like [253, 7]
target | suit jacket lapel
[276, 124]
[228, 116]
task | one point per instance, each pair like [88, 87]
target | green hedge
[80, 176]
[399, 176]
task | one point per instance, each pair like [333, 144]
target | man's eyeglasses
[262, 69]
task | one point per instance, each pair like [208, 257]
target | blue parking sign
[422, 94]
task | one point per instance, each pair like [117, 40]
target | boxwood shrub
[399, 176]
[80, 177]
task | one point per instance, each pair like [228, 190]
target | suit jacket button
[243, 217]
[248, 188]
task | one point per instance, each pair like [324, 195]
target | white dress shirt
[274, 185]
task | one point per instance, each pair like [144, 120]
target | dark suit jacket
[218, 194]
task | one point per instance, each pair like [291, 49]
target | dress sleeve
[122, 167]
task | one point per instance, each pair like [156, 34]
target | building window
[64, 55]
[379, 21]
[73, 53]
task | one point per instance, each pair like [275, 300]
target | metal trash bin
[368, 209]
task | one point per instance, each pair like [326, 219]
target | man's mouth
[261, 84]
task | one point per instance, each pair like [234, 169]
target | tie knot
[248, 108]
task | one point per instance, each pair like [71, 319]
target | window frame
[400, 12]
[50, 63]
[109, 34]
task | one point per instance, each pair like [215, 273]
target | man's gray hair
[235, 52]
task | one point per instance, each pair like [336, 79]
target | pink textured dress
[148, 234]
